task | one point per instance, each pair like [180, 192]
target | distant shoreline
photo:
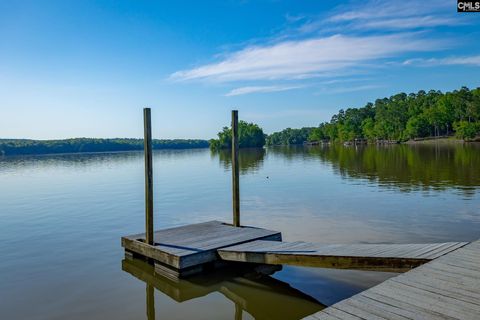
[19, 147]
[27, 147]
[445, 140]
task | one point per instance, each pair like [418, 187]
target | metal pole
[235, 172]
[147, 123]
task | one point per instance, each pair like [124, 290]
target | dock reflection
[261, 296]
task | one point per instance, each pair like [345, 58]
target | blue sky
[87, 68]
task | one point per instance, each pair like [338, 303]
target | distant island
[29, 147]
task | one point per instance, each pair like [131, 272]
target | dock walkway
[385, 257]
[442, 279]
[445, 288]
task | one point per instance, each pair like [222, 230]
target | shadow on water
[403, 167]
[263, 297]
[250, 159]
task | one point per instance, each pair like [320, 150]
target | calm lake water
[62, 218]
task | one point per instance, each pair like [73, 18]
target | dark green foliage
[289, 136]
[402, 117]
[23, 146]
[466, 130]
[250, 135]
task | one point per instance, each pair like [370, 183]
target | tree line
[398, 118]
[26, 146]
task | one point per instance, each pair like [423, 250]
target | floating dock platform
[186, 250]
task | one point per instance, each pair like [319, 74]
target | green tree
[466, 130]
[368, 129]
[289, 136]
[417, 126]
[250, 135]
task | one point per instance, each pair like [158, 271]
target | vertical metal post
[147, 123]
[235, 172]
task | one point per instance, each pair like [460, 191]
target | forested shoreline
[29, 147]
[399, 118]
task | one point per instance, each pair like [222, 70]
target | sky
[87, 68]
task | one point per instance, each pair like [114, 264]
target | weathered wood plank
[188, 246]
[448, 287]
[392, 257]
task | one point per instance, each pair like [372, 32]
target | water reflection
[79, 206]
[404, 167]
[250, 159]
[263, 297]
[150, 302]
[82, 160]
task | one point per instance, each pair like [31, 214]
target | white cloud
[410, 22]
[407, 14]
[465, 60]
[382, 8]
[385, 16]
[356, 37]
[351, 89]
[318, 113]
[259, 89]
[307, 58]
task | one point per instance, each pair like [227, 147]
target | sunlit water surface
[62, 217]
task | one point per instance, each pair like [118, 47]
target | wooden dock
[444, 284]
[445, 288]
[190, 249]
[383, 257]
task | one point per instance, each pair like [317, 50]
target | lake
[62, 217]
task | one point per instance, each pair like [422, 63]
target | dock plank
[393, 257]
[192, 245]
[448, 287]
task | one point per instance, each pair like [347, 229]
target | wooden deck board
[448, 287]
[352, 256]
[188, 246]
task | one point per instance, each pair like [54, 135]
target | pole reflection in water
[150, 302]
[261, 296]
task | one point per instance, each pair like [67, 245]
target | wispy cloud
[350, 89]
[259, 89]
[407, 14]
[356, 37]
[303, 58]
[384, 16]
[410, 22]
[465, 60]
[319, 113]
